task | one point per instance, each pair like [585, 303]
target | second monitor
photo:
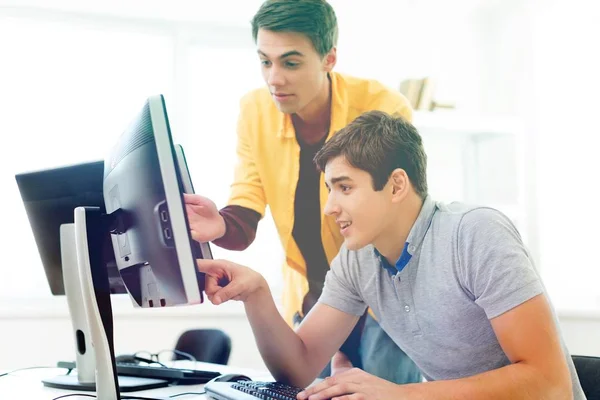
[144, 182]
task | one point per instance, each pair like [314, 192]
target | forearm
[515, 381]
[282, 350]
[240, 227]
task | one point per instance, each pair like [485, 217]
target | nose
[331, 208]
[275, 76]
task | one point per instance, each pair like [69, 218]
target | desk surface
[27, 384]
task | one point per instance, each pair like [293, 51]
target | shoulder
[472, 223]
[485, 220]
[484, 233]
[370, 94]
[468, 215]
[256, 102]
[258, 114]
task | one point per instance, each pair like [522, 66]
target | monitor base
[126, 383]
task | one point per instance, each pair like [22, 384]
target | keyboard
[176, 376]
[251, 390]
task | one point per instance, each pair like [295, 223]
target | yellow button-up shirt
[269, 164]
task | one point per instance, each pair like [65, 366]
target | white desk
[27, 384]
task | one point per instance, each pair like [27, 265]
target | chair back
[588, 370]
[208, 345]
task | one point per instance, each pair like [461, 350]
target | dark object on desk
[126, 358]
[231, 378]
[207, 345]
[588, 370]
[249, 390]
[175, 376]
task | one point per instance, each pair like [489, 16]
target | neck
[391, 241]
[312, 122]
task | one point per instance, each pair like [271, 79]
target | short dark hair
[379, 143]
[313, 18]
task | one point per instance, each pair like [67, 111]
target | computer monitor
[144, 179]
[145, 213]
[49, 197]
[143, 183]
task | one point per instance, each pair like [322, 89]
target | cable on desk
[40, 367]
[94, 396]
[187, 394]
[127, 397]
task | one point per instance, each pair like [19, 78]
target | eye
[345, 189]
[291, 64]
[265, 63]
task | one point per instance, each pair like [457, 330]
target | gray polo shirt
[461, 267]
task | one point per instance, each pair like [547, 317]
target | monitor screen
[143, 183]
[50, 196]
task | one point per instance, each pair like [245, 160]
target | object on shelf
[420, 94]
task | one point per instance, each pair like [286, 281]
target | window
[72, 85]
[68, 90]
[71, 82]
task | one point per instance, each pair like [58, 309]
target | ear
[400, 185]
[330, 59]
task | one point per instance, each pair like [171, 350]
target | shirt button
[411, 248]
[406, 308]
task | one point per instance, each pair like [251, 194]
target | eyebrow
[339, 179]
[284, 55]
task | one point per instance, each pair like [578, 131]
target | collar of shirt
[339, 110]
[415, 237]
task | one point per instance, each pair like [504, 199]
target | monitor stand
[126, 383]
[91, 311]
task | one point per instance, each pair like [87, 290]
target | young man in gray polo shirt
[453, 285]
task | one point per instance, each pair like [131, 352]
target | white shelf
[452, 122]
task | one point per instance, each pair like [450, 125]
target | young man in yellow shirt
[280, 129]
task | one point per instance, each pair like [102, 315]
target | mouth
[344, 225]
[282, 96]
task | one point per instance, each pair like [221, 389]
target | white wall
[581, 333]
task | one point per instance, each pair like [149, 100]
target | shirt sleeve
[241, 224]
[392, 102]
[495, 265]
[247, 189]
[340, 292]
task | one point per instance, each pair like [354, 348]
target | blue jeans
[378, 355]
[382, 357]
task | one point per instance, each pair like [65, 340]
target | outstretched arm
[293, 357]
